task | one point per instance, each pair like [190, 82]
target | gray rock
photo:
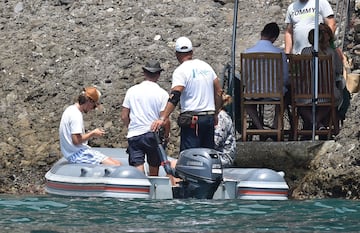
[19, 7]
[50, 50]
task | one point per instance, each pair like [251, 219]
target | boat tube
[200, 170]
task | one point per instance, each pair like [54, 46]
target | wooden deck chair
[262, 84]
[301, 72]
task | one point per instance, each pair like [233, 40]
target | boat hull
[86, 180]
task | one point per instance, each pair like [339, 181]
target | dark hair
[151, 74]
[324, 28]
[271, 30]
[82, 98]
[311, 36]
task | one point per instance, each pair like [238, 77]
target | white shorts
[88, 156]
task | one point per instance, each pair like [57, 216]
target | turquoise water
[39, 214]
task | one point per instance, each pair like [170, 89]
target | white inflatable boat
[200, 170]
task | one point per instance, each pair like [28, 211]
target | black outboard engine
[199, 168]
[201, 172]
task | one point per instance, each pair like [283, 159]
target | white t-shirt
[145, 101]
[71, 123]
[198, 79]
[302, 17]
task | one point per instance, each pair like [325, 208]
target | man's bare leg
[111, 161]
[141, 168]
[174, 181]
[153, 171]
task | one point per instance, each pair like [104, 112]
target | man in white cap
[73, 139]
[143, 103]
[196, 86]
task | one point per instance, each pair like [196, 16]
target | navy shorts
[142, 145]
[199, 135]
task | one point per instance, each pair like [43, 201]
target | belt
[203, 113]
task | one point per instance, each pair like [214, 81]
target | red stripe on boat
[97, 187]
[262, 192]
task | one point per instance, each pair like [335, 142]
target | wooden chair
[262, 84]
[301, 77]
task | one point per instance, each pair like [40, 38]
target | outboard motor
[201, 172]
[199, 168]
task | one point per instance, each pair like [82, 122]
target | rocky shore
[51, 49]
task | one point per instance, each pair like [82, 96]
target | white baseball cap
[183, 45]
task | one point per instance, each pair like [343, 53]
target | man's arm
[77, 139]
[217, 95]
[166, 127]
[288, 38]
[170, 107]
[125, 116]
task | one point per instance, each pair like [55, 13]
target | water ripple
[58, 214]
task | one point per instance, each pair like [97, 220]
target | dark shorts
[142, 145]
[200, 135]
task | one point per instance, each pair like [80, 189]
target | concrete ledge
[292, 157]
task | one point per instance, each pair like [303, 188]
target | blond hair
[226, 100]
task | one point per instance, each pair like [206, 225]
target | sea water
[40, 214]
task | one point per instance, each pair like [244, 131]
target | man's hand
[156, 125]
[77, 139]
[97, 132]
